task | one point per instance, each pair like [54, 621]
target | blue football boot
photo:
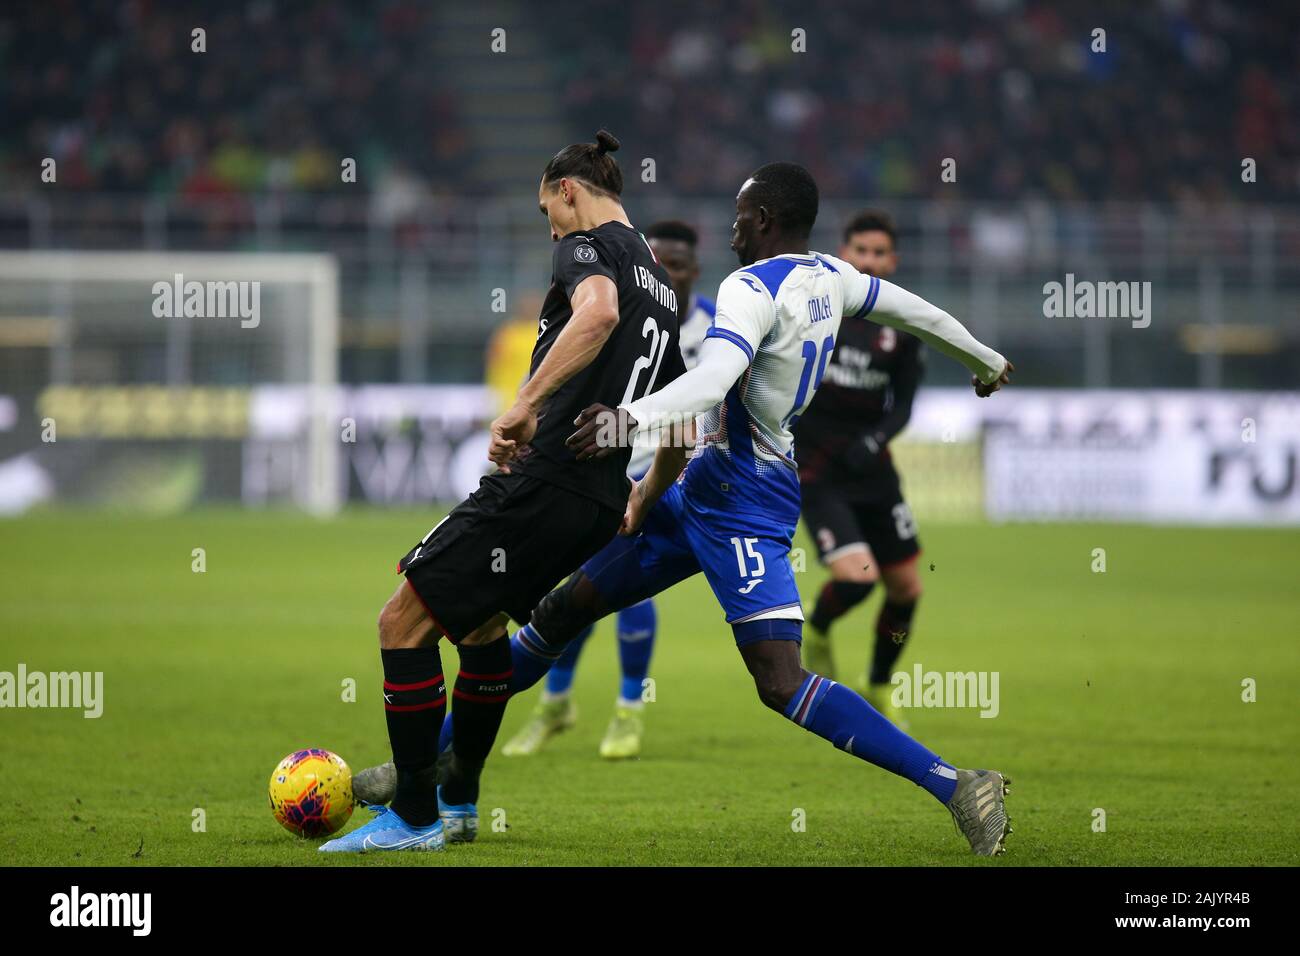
[387, 831]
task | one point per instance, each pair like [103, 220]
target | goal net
[165, 380]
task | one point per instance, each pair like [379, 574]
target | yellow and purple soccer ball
[311, 793]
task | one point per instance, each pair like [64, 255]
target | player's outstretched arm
[670, 459]
[897, 307]
[595, 316]
[721, 362]
[662, 416]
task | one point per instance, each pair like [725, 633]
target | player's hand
[984, 391]
[601, 432]
[637, 508]
[509, 432]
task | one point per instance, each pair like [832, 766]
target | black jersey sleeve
[905, 380]
[578, 256]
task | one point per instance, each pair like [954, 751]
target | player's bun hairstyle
[872, 220]
[590, 163]
[675, 230]
[790, 194]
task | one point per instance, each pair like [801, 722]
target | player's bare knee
[394, 630]
[585, 598]
[775, 690]
[404, 623]
[776, 670]
[904, 586]
[562, 614]
[856, 567]
[388, 624]
[769, 693]
[854, 575]
[494, 630]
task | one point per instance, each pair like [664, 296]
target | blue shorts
[744, 557]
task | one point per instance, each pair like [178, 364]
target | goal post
[128, 366]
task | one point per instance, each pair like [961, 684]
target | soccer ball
[311, 792]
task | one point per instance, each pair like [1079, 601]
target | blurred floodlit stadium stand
[1117, 166]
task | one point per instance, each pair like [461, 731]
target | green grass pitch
[1120, 691]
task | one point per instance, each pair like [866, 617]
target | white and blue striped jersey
[784, 313]
[777, 322]
[699, 319]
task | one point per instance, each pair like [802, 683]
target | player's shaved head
[788, 192]
[775, 211]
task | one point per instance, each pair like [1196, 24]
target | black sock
[892, 629]
[836, 599]
[415, 702]
[482, 689]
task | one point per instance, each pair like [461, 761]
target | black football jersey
[866, 392]
[641, 355]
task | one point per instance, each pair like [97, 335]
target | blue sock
[532, 657]
[444, 735]
[636, 642]
[560, 678]
[833, 711]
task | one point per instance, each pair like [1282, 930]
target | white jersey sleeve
[696, 391]
[745, 313]
[894, 306]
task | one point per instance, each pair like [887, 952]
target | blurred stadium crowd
[1183, 91]
[1125, 164]
[1120, 168]
[113, 91]
[1011, 88]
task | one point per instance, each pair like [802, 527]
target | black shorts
[503, 549]
[840, 523]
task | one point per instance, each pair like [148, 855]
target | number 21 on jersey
[658, 346]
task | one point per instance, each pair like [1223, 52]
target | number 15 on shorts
[745, 552]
